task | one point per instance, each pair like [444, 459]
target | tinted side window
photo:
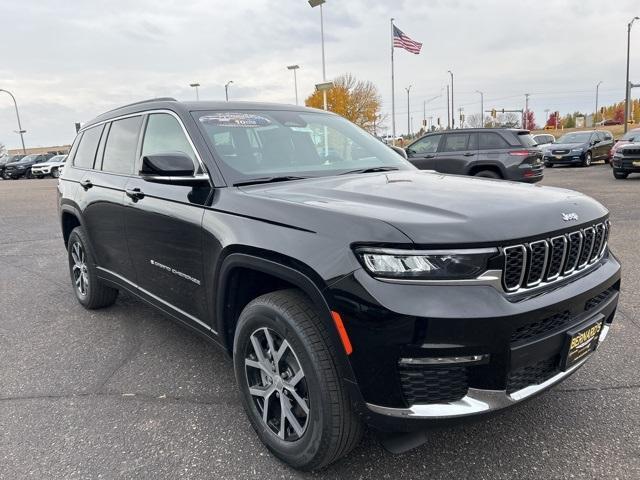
[121, 146]
[163, 135]
[426, 145]
[86, 152]
[455, 142]
[491, 140]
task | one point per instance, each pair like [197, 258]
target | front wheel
[289, 382]
[487, 174]
[55, 173]
[28, 174]
[587, 160]
[620, 175]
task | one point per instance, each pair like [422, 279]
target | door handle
[86, 184]
[429, 156]
[469, 154]
[134, 194]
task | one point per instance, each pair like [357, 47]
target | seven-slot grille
[528, 265]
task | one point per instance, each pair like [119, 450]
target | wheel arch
[282, 275]
[478, 167]
[70, 218]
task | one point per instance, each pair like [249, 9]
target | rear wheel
[89, 290]
[620, 175]
[487, 174]
[289, 382]
[586, 162]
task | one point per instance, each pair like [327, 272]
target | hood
[431, 208]
[567, 146]
[49, 163]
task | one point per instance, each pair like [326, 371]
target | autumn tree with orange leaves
[356, 100]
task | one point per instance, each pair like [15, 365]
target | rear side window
[525, 139]
[164, 135]
[121, 146]
[455, 142]
[86, 152]
[491, 141]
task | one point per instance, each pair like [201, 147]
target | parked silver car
[52, 167]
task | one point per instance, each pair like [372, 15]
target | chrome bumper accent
[477, 400]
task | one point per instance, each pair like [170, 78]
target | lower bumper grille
[426, 385]
[533, 374]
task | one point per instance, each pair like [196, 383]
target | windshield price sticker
[235, 119]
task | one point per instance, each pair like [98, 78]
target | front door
[164, 226]
[423, 152]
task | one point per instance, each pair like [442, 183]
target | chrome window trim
[524, 266]
[565, 244]
[544, 264]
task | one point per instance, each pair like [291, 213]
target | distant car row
[36, 165]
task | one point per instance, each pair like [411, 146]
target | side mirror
[399, 151]
[171, 167]
[595, 141]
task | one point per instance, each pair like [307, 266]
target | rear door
[101, 200]
[164, 225]
[423, 153]
[457, 151]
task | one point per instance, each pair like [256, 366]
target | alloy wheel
[277, 384]
[79, 268]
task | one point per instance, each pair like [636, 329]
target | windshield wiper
[370, 170]
[255, 181]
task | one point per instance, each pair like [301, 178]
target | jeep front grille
[528, 265]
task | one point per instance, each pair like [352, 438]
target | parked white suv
[52, 167]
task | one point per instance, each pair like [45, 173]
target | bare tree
[3, 149]
[474, 120]
[510, 120]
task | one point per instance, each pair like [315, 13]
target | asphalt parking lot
[125, 393]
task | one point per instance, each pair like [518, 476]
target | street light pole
[295, 79]
[481, 108]
[195, 85]
[20, 130]
[525, 114]
[408, 89]
[453, 110]
[318, 3]
[226, 89]
[627, 90]
[595, 116]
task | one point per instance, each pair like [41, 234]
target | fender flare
[489, 165]
[290, 275]
[73, 210]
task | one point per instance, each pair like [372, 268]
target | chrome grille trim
[582, 244]
[523, 269]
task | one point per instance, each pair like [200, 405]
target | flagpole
[393, 94]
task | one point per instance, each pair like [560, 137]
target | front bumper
[389, 323]
[565, 159]
[41, 171]
[626, 164]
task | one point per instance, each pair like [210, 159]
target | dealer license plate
[581, 341]
[636, 163]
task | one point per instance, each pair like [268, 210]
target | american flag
[400, 40]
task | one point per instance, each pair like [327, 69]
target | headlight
[576, 150]
[426, 265]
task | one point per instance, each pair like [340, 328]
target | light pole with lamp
[627, 90]
[453, 110]
[226, 89]
[481, 108]
[20, 130]
[318, 3]
[595, 116]
[295, 79]
[195, 85]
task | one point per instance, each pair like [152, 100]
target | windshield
[57, 158]
[28, 158]
[632, 136]
[260, 144]
[577, 137]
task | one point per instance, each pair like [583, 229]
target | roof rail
[159, 99]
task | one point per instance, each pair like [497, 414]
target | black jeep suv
[481, 152]
[22, 167]
[348, 286]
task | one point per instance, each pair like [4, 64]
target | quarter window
[121, 146]
[86, 152]
[164, 135]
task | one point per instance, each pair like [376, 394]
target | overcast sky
[70, 60]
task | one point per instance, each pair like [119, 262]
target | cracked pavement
[125, 393]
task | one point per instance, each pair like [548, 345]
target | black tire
[28, 174]
[487, 174]
[620, 175]
[548, 165]
[331, 428]
[90, 291]
[55, 173]
[586, 161]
